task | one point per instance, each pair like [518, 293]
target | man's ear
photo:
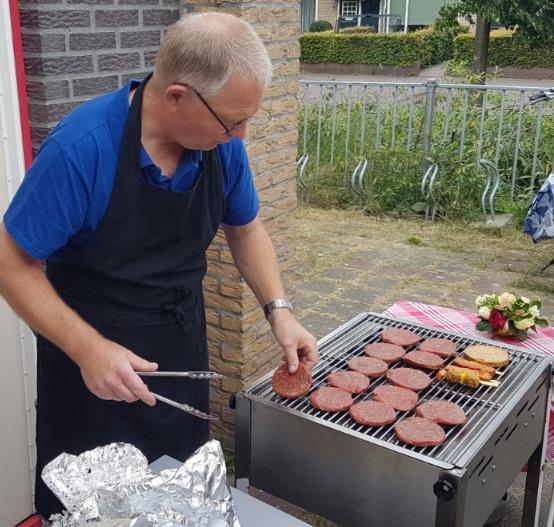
[174, 93]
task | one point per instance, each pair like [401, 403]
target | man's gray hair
[203, 50]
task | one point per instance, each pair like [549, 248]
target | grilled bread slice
[489, 355]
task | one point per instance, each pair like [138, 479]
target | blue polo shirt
[66, 191]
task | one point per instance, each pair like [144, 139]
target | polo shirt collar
[117, 116]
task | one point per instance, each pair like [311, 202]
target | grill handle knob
[444, 489]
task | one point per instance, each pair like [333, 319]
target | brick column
[239, 338]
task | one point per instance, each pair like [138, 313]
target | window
[349, 7]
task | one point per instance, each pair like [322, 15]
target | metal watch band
[278, 303]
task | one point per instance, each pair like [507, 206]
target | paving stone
[340, 273]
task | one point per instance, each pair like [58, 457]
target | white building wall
[17, 350]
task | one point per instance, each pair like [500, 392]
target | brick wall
[240, 341]
[76, 50]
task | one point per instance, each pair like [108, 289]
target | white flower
[505, 300]
[525, 299]
[534, 311]
[524, 324]
[484, 312]
[483, 299]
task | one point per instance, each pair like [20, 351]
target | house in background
[383, 15]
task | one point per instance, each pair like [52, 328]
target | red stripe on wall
[31, 521]
[21, 86]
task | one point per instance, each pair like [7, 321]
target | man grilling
[121, 202]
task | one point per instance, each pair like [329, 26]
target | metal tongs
[200, 375]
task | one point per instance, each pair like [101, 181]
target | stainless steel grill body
[362, 476]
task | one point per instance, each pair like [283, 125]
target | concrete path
[426, 74]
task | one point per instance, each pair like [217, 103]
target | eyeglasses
[228, 130]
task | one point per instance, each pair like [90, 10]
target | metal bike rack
[301, 164]
[358, 178]
[427, 184]
[492, 172]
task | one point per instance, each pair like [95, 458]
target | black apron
[138, 281]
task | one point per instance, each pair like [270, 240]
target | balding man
[122, 201]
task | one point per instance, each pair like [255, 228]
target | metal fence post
[430, 95]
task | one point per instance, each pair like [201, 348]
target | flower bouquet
[508, 315]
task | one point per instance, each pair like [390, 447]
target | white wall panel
[17, 350]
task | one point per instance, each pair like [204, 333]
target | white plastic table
[251, 511]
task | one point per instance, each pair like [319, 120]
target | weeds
[385, 128]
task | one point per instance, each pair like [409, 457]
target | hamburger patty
[291, 385]
[399, 398]
[439, 346]
[423, 359]
[329, 399]
[442, 412]
[372, 413]
[369, 366]
[385, 352]
[400, 337]
[418, 431]
[351, 381]
[409, 378]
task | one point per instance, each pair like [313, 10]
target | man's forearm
[256, 260]
[27, 290]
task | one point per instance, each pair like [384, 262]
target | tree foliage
[534, 19]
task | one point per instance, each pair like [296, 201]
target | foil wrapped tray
[112, 486]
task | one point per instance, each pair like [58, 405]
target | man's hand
[108, 370]
[297, 343]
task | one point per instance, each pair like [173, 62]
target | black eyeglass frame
[228, 131]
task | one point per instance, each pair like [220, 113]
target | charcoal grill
[361, 476]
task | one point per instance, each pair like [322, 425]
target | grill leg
[450, 494]
[533, 486]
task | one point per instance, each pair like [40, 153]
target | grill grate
[350, 340]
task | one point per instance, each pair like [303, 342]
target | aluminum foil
[112, 486]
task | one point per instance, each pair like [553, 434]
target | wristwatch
[278, 303]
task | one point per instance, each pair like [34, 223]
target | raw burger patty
[351, 381]
[418, 431]
[423, 359]
[399, 398]
[330, 399]
[400, 337]
[409, 378]
[369, 366]
[441, 347]
[372, 413]
[386, 352]
[291, 385]
[442, 412]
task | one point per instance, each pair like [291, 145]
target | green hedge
[425, 47]
[320, 25]
[504, 50]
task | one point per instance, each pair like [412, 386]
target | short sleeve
[50, 205]
[242, 202]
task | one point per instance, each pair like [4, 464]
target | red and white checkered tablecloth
[464, 322]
